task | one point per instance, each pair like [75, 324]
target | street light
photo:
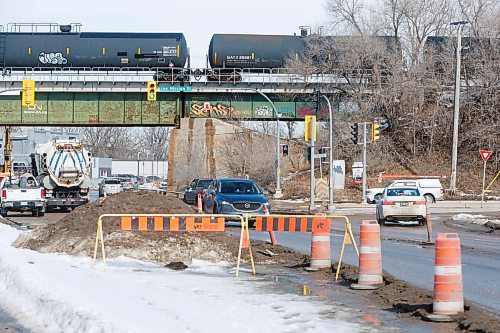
[278, 194]
[331, 207]
[456, 107]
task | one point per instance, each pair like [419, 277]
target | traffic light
[355, 133]
[321, 152]
[375, 132]
[285, 150]
[151, 90]
[308, 121]
[28, 95]
[307, 153]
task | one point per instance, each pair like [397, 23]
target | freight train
[64, 46]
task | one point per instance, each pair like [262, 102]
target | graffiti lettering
[305, 111]
[52, 58]
[218, 110]
[263, 111]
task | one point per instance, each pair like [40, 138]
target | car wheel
[41, 213]
[34, 212]
[3, 212]
[422, 222]
[429, 198]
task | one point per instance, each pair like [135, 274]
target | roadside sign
[485, 154]
[175, 88]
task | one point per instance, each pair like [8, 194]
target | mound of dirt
[75, 234]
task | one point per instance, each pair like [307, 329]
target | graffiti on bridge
[218, 110]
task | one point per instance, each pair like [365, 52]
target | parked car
[129, 181]
[110, 186]
[430, 188]
[400, 205]
[234, 196]
[22, 195]
[196, 187]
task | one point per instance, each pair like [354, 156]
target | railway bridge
[117, 96]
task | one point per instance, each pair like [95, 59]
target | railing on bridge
[204, 76]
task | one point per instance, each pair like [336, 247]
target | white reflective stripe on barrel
[448, 270]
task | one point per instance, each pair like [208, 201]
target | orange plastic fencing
[292, 224]
[174, 223]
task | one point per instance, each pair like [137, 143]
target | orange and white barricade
[370, 256]
[175, 223]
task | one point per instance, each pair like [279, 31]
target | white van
[429, 188]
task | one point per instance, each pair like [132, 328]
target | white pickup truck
[20, 195]
[430, 188]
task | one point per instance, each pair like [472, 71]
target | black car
[195, 188]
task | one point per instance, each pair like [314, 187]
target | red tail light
[419, 202]
[202, 192]
[390, 203]
[42, 191]
[4, 194]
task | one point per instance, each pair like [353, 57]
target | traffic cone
[448, 292]
[244, 240]
[200, 205]
[320, 248]
[370, 256]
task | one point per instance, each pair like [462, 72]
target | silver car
[110, 186]
[401, 205]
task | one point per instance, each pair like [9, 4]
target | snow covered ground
[476, 219]
[61, 293]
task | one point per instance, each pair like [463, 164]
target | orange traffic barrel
[448, 292]
[199, 203]
[370, 254]
[320, 244]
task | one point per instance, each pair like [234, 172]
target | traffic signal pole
[363, 200]
[312, 206]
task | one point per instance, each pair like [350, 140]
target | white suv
[430, 189]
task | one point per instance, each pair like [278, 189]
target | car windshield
[112, 181]
[203, 183]
[239, 187]
[403, 192]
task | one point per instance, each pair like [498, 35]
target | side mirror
[265, 192]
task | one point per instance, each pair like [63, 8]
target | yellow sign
[28, 95]
[310, 125]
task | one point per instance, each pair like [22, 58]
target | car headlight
[225, 203]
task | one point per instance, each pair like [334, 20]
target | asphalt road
[406, 255]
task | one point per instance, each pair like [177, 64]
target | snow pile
[477, 219]
[62, 293]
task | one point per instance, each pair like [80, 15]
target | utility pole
[363, 200]
[456, 108]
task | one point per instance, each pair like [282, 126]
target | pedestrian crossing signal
[151, 90]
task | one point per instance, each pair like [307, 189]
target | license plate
[24, 203]
[403, 204]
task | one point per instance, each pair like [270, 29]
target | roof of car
[235, 179]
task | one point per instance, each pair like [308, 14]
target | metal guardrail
[177, 75]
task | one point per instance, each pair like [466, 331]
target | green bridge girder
[132, 109]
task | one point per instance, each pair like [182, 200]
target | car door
[209, 197]
[189, 194]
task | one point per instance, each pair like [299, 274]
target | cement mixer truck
[62, 167]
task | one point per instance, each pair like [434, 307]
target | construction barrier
[175, 223]
[448, 292]
[318, 225]
[370, 255]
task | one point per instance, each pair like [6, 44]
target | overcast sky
[197, 19]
